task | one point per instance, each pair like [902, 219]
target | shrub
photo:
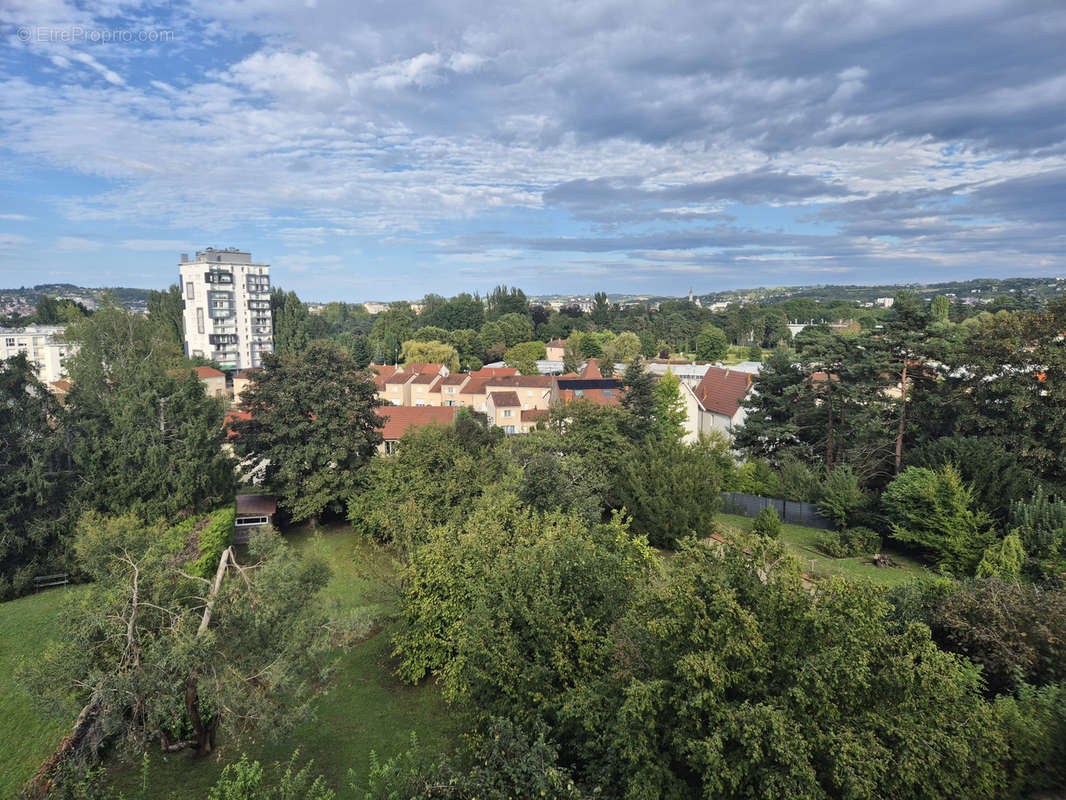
[832, 544]
[841, 496]
[935, 511]
[213, 539]
[767, 523]
[848, 542]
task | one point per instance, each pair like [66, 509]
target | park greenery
[573, 596]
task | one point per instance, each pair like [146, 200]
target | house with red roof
[717, 402]
[214, 381]
[555, 349]
[504, 409]
[401, 419]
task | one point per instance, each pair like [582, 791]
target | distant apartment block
[227, 308]
[42, 347]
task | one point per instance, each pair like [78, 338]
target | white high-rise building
[227, 307]
[43, 347]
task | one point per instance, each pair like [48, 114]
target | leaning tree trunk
[902, 418]
[73, 744]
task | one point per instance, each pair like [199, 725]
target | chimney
[184, 258]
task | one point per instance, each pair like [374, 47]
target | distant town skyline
[389, 150]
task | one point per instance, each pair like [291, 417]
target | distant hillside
[979, 289]
[135, 299]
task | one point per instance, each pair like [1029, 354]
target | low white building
[42, 346]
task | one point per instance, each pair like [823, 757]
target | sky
[382, 149]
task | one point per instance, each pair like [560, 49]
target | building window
[9, 342]
[450, 390]
[507, 412]
[199, 320]
[579, 392]
[190, 291]
[508, 429]
[608, 393]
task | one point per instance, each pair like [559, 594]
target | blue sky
[385, 150]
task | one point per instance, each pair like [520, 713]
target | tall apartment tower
[227, 307]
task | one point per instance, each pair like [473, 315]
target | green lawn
[800, 541]
[26, 625]
[365, 708]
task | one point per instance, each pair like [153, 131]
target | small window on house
[199, 320]
[608, 393]
[507, 412]
[10, 341]
[579, 392]
[190, 291]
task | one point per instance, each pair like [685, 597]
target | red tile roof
[420, 367]
[400, 419]
[495, 372]
[399, 377]
[476, 386]
[556, 343]
[505, 399]
[455, 379]
[426, 377]
[384, 370]
[534, 415]
[721, 390]
[591, 369]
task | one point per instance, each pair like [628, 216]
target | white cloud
[109, 75]
[15, 217]
[420, 71]
[77, 244]
[152, 245]
[284, 73]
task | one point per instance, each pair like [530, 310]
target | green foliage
[312, 427]
[755, 477]
[754, 353]
[670, 412]
[1014, 630]
[47, 310]
[671, 490]
[524, 356]
[1040, 521]
[433, 479]
[797, 481]
[35, 480]
[934, 510]
[505, 559]
[989, 464]
[166, 313]
[139, 650]
[246, 780]
[430, 352]
[500, 764]
[391, 329]
[1034, 723]
[712, 344]
[142, 438]
[733, 682]
[849, 542]
[1003, 559]
[841, 497]
[767, 523]
[212, 540]
[639, 401]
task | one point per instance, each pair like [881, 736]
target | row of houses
[518, 403]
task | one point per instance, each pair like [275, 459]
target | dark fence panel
[793, 511]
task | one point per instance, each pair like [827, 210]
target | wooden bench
[44, 581]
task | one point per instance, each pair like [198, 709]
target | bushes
[841, 496]
[213, 539]
[934, 510]
[767, 523]
[849, 542]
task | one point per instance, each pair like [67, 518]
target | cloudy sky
[382, 149]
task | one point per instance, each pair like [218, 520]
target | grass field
[800, 540]
[26, 625]
[365, 708]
